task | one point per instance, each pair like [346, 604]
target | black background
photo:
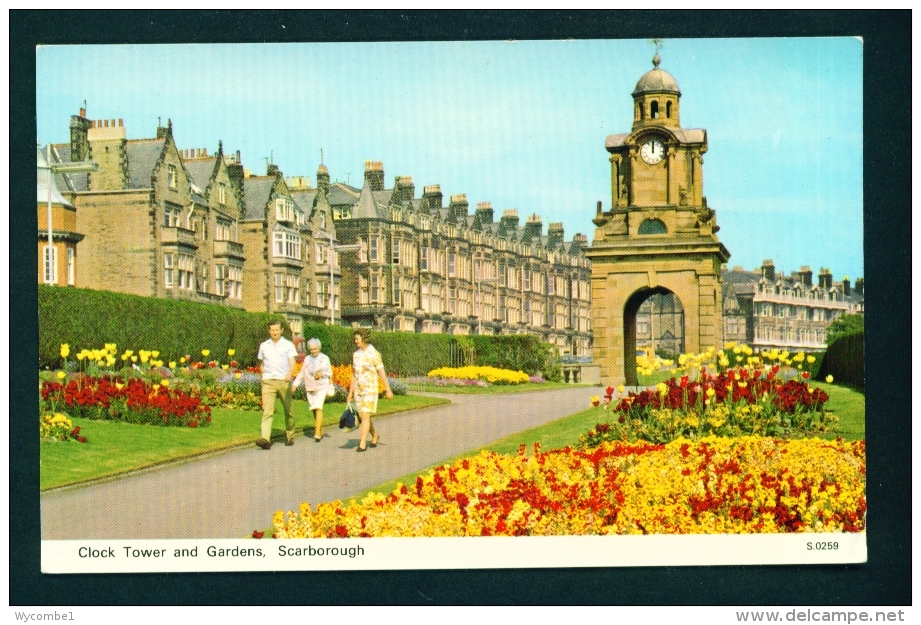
[884, 580]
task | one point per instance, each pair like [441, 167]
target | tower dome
[656, 81]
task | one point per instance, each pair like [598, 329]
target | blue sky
[521, 124]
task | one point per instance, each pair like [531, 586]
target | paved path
[231, 494]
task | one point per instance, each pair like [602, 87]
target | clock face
[652, 151]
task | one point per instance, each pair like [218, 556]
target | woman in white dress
[317, 377]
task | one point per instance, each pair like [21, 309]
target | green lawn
[847, 404]
[116, 447]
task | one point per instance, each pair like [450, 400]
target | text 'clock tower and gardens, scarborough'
[659, 236]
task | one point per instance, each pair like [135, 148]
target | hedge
[844, 360]
[87, 319]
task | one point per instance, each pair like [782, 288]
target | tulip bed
[133, 401]
[717, 485]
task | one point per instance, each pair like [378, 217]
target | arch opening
[653, 325]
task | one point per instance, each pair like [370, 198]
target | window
[653, 226]
[424, 259]
[395, 251]
[171, 216]
[169, 269]
[452, 263]
[373, 245]
[322, 254]
[322, 220]
[235, 282]
[186, 271]
[375, 290]
[222, 193]
[654, 109]
[70, 266]
[220, 277]
[222, 230]
[287, 288]
[668, 109]
[284, 210]
[527, 279]
[51, 264]
[287, 245]
[322, 294]
[171, 177]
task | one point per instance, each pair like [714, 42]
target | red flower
[805, 375]
[258, 534]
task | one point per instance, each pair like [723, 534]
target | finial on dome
[658, 43]
[656, 60]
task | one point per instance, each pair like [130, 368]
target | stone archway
[635, 335]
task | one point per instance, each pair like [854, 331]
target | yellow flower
[164, 383]
[111, 347]
[238, 375]
[134, 359]
[711, 392]
[65, 350]
[231, 352]
[661, 388]
[61, 375]
[224, 367]
[172, 364]
[724, 362]
[110, 360]
[620, 388]
[155, 354]
[829, 378]
[810, 359]
[81, 355]
[182, 359]
[144, 354]
[205, 352]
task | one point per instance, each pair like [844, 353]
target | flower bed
[57, 427]
[133, 401]
[745, 400]
[492, 375]
[713, 486]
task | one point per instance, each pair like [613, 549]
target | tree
[845, 324]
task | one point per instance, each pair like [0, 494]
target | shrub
[85, 318]
[845, 360]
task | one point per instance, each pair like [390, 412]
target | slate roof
[200, 171]
[746, 283]
[143, 155]
[42, 184]
[257, 190]
[68, 182]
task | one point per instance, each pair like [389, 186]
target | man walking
[276, 355]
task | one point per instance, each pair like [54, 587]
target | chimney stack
[374, 175]
[825, 281]
[432, 197]
[484, 210]
[846, 285]
[533, 226]
[323, 178]
[459, 206]
[805, 276]
[767, 270]
[406, 188]
[555, 234]
[858, 286]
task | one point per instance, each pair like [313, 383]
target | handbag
[347, 420]
[330, 390]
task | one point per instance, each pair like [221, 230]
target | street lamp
[64, 168]
[333, 250]
[480, 300]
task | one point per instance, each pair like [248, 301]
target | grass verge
[847, 404]
[115, 447]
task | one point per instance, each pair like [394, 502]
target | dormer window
[284, 210]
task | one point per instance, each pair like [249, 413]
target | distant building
[57, 263]
[425, 267]
[155, 223]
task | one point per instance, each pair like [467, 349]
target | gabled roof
[257, 190]
[200, 170]
[340, 193]
[143, 155]
[367, 207]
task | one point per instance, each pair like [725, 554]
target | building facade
[156, 224]
[421, 266]
[57, 259]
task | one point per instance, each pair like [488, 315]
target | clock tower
[659, 235]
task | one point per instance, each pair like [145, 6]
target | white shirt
[275, 357]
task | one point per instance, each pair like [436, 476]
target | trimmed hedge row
[844, 360]
[87, 318]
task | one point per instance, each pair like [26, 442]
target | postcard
[595, 303]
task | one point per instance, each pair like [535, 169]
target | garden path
[230, 494]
